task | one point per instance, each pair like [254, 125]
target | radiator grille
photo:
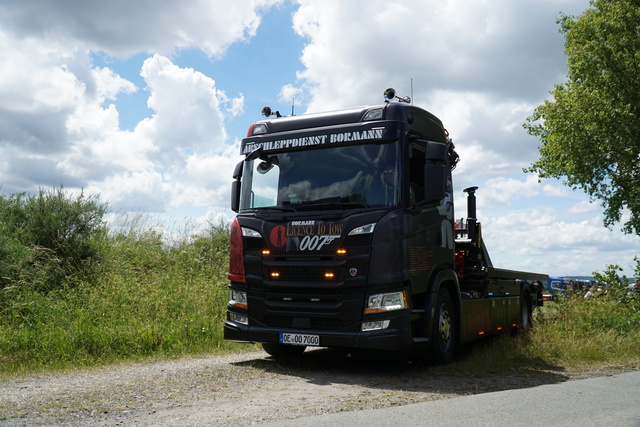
[316, 323]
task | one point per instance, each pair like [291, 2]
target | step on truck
[345, 237]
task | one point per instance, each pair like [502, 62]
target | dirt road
[242, 389]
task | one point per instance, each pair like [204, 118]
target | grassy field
[75, 293]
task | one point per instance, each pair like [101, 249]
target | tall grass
[573, 332]
[146, 294]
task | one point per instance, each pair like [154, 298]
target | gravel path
[243, 389]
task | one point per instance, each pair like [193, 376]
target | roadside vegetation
[75, 292]
[602, 330]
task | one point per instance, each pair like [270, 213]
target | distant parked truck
[555, 287]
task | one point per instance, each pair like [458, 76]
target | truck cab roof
[416, 120]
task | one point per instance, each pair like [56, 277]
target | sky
[143, 103]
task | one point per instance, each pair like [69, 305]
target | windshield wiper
[276, 208]
[325, 204]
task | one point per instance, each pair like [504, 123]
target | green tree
[616, 285]
[590, 131]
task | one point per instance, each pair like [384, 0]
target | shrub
[48, 236]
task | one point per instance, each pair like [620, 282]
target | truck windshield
[354, 176]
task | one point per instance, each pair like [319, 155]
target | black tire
[525, 311]
[444, 331]
[282, 350]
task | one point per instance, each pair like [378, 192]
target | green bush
[45, 238]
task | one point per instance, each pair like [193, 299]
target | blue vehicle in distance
[555, 287]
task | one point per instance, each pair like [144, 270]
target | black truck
[345, 237]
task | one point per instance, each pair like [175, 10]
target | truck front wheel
[283, 350]
[444, 333]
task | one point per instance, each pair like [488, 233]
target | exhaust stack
[472, 220]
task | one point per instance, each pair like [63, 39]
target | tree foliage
[590, 131]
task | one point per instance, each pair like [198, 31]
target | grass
[145, 298]
[572, 333]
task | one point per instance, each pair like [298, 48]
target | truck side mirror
[235, 187]
[435, 172]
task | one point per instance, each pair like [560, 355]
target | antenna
[411, 90]
[293, 103]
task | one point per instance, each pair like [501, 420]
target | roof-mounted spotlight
[266, 112]
[390, 95]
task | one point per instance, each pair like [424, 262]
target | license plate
[299, 339]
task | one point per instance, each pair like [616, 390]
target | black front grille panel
[319, 324]
[328, 304]
[303, 274]
[314, 309]
[303, 256]
[313, 299]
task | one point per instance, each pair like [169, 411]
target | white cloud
[186, 109]
[109, 85]
[555, 190]
[584, 207]
[234, 107]
[177, 157]
[526, 237]
[290, 92]
[58, 119]
[503, 190]
[123, 28]
[501, 47]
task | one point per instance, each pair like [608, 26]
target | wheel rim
[444, 325]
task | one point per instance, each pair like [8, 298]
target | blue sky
[144, 103]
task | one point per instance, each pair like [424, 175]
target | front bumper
[392, 339]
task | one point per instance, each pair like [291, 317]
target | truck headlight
[249, 232]
[238, 298]
[379, 303]
[363, 229]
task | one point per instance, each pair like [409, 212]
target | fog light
[375, 325]
[239, 318]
